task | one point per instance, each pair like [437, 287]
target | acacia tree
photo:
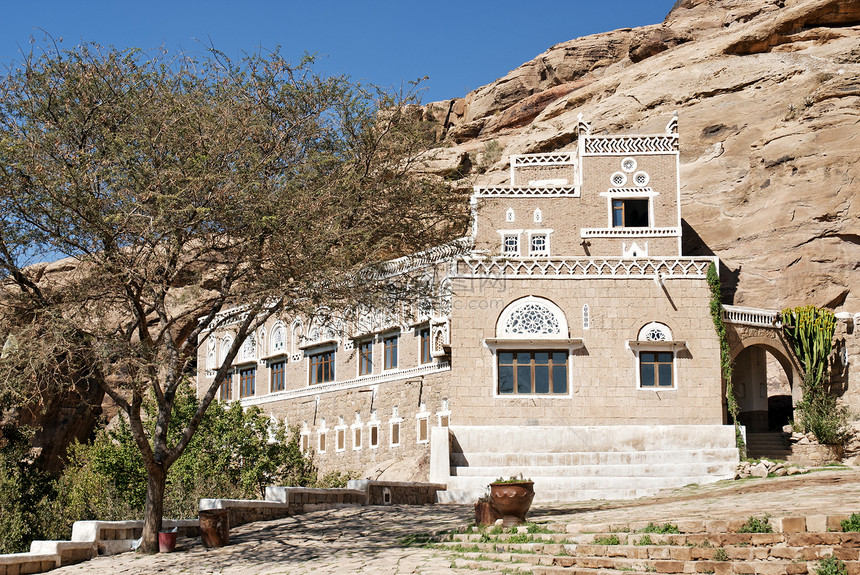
[180, 187]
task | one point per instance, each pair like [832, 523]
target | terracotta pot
[485, 513]
[512, 500]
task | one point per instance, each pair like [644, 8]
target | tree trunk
[156, 477]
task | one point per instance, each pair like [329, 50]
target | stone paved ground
[368, 540]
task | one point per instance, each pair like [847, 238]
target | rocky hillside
[768, 97]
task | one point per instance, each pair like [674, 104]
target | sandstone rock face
[768, 96]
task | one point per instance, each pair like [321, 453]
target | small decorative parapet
[550, 159]
[614, 145]
[467, 267]
[434, 255]
[525, 191]
[751, 316]
[363, 381]
[629, 232]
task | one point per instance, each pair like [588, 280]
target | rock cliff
[768, 96]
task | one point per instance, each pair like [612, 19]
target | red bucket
[166, 541]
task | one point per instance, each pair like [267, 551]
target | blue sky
[460, 45]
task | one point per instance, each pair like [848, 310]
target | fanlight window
[655, 331]
[532, 317]
[249, 347]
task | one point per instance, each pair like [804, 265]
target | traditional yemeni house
[570, 341]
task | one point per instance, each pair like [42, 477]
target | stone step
[596, 458]
[600, 473]
[716, 567]
[490, 567]
[564, 439]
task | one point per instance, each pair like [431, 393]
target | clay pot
[215, 527]
[512, 500]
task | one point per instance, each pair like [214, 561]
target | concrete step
[534, 457]
[600, 472]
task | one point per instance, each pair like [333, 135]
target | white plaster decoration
[226, 344]
[210, 343]
[279, 338]
[211, 361]
[618, 179]
[423, 259]
[440, 337]
[348, 344]
[655, 331]
[509, 215]
[445, 297]
[394, 430]
[634, 251]
[672, 126]
[586, 317]
[297, 332]
[533, 318]
[538, 216]
[248, 351]
[629, 232]
[628, 164]
[549, 159]
[549, 183]
[583, 127]
[444, 414]
[538, 244]
[641, 179]
[617, 145]
[525, 191]
[667, 268]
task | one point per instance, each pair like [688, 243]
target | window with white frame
[249, 348]
[356, 432]
[444, 414]
[655, 351]
[306, 438]
[510, 244]
[279, 339]
[539, 243]
[373, 430]
[322, 435]
[423, 424]
[394, 424]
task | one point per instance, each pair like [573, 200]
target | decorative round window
[532, 317]
[618, 179]
[655, 331]
[628, 165]
[641, 179]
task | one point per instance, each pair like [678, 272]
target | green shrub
[645, 540]
[666, 528]
[720, 554]
[757, 525]
[831, 566]
[852, 523]
[608, 540]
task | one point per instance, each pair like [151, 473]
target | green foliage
[716, 308]
[22, 487]
[664, 529]
[644, 540]
[537, 528]
[820, 413]
[607, 540]
[720, 554]
[757, 525]
[831, 566]
[511, 479]
[852, 523]
[809, 330]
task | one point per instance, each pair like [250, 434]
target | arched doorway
[763, 383]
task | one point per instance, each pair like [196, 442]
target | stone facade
[570, 305]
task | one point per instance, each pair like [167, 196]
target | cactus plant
[809, 330]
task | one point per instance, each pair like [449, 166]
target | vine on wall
[725, 353]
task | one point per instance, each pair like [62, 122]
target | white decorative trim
[618, 179]
[595, 267]
[505, 234]
[629, 232]
[634, 251]
[586, 317]
[510, 216]
[531, 318]
[630, 145]
[641, 176]
[621, 193]
[538, 216]
[655, 331]
[546, 251]
[440, 337]
[336, 386]
[524, 191]
[549, 159]
[628, 164]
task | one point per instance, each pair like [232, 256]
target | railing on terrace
[629, 232]
[751, 316]
[525, 191]
[596, 267]
[549, 159]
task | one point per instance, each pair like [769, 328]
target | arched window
[655, 357]
[532, 317]
[249, 348]
[279, 339]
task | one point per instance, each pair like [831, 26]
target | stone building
[570, 342]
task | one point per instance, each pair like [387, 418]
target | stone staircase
[576, 463]
[773, 445]
[797, 547]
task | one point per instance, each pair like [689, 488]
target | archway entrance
[763, 388]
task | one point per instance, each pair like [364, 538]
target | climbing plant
[809, 330]
[725, 353]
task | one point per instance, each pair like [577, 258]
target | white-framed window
[394, 427]
[423, 424]
[322, 436]
[444, 414]
[510, 242]
[341, 438]
[305, 438]
[538, 242]
[248, 351]
[279, 339]
[656, 357]
[356, 432]
[373, 431]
